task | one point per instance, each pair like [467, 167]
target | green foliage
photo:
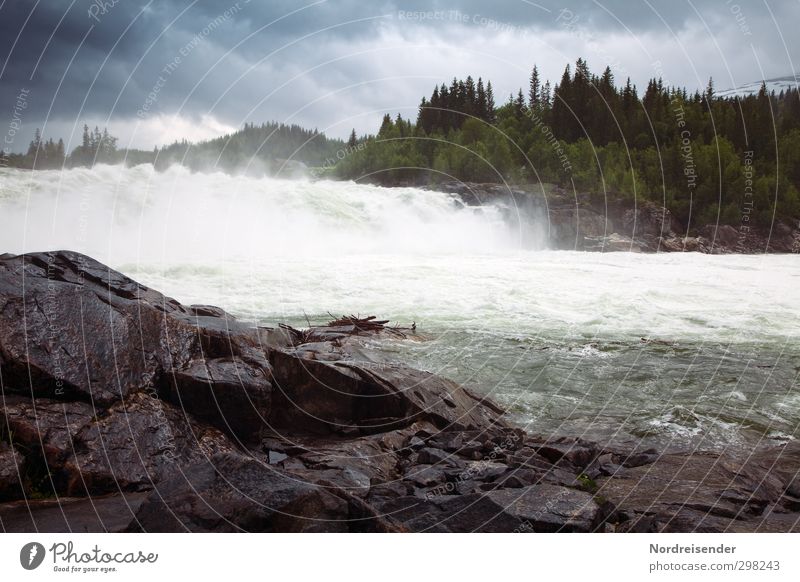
[273, 148]
[686, 151]
[587, 483]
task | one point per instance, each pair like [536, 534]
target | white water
[557, 336]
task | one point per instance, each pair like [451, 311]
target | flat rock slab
[107, 513]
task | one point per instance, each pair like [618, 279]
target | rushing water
[680, 350]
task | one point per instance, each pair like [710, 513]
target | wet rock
[136, 444]
[274, 457]
[415, 443]
[46, 428]
[425, 475]
[10, 473]
[447, 441]
[547, 508]
[229, 492]
[228, 392]
[635, 458]
[695, 492]
[325, 397]
[605, 465]
[540, 508]
[99, 514]
[79, 319]
[578, 453]
[433, 456]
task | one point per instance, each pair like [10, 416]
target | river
[681, 351]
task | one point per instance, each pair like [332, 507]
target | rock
[415, 443]
[793, 488]
[648, 222]
[229, 493]
[722, 236]
[274, 457]
[228, 392]
[635, 458]
[90, 333]
[68, 515]
[547, 508]
[433, 456]
[606, 466]
[694, 492]
[10, 473]
[783, 238]
[484, 470]
[448, 441]
[46, 428]
[325, 397]
[578, 453]
[425, 475]
[131, 446]
[539, 508]
[136, 444]
[79, 318]
[366, 455]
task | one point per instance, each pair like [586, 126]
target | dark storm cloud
[243, 60]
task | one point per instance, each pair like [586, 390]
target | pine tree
[481, 103]
[545, 100]
[519, 105]
[491, 116]
[386, 126]
[534, 92]
[470, 97]
[35, 145]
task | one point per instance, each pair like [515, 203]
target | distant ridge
[777, 85]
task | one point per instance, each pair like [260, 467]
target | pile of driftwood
[345, 325]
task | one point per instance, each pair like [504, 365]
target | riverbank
[593, 222]
[124, 410]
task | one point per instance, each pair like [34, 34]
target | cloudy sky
[155, 71]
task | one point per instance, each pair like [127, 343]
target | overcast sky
[162, 70]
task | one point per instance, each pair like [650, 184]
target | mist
[126, 215]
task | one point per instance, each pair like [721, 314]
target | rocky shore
[123, 410]
[595, 223]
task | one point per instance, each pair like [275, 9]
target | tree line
[267, 148]
[708, 158]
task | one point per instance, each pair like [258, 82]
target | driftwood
[345, 325]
